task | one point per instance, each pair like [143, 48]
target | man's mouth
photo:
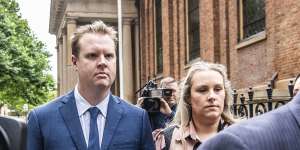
[101, 75]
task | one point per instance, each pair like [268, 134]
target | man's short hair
[96, 27]
[167, 80]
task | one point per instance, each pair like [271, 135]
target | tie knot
[94, 111]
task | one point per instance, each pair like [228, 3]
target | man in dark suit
[90, 117]
[275, 130]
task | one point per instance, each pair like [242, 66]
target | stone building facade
[256, 40]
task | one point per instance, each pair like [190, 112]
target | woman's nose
[211, 96]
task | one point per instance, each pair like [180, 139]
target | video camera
[152, 95]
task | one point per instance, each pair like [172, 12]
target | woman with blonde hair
[203, 108]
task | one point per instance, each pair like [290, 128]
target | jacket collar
[70, 115]
[114, 114]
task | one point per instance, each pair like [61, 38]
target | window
[158, 39]
[193, 29]
[252, 17]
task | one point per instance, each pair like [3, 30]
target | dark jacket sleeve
[147, 139]
[34, 137]
[224, 141]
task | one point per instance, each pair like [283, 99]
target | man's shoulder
[126, 105]
[247, 133]
[52, 105]
[260, 124]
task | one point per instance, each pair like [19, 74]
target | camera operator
[168, 104]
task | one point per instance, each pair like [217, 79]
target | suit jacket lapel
[114, 114]
[70, 115]
[295, 108]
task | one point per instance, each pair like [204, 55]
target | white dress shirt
[84, 115]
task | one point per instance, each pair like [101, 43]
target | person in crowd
[203, 108]
[168, 104]
[90, 117]
[275, 130]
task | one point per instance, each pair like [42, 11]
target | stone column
[63, 65]
[71, 74]
[128, 69]
[137, 61]
[59, 64]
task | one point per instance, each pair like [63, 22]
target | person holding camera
[163, 112]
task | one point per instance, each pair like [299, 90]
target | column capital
[71, 20]
[127, 21]
[135, 21]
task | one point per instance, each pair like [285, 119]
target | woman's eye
[218, 89]
[202, 90]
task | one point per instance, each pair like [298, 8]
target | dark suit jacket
[275, 130]
[56, 126]
[159, 120]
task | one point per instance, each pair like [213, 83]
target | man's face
[296, 87]
[172, 99]
[96, 61]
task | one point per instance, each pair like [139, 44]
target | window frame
[157, 69]
[188, 35]
[241, 23]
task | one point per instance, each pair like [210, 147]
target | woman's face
[207, 94]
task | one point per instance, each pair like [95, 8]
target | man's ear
[74, 61]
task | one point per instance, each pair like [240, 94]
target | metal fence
[246, 105]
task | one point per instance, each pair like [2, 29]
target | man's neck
[93, 95]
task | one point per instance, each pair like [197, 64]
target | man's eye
[109, 56]
[91, 55]
[218, 89]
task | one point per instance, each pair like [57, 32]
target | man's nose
[102, 61]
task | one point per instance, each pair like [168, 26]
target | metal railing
[249, 106]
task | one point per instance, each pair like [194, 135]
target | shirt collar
[189, 132]
[83, 105]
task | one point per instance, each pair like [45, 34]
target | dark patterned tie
[94, 135]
